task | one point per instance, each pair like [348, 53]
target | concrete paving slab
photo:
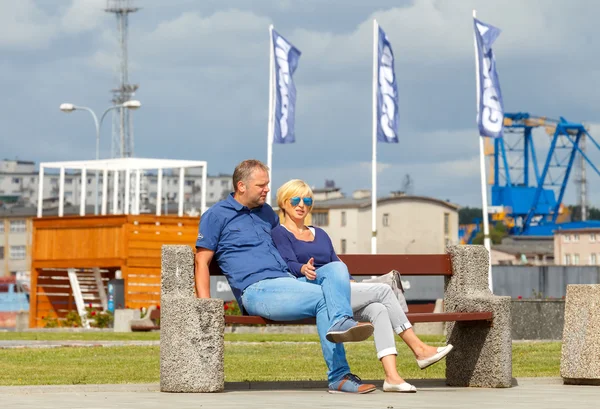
[543, 393]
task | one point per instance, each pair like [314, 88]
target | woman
[307, 248]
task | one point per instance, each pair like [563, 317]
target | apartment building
[405, 224]
[15, 242]
[19, 182]
[577, 247]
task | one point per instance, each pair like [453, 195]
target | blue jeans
[291, 299]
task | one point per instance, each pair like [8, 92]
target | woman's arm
[284, 246]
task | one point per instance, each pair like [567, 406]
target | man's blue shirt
[241, 240]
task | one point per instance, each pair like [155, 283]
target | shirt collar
[237, 205]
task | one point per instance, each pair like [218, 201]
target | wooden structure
[129, 243]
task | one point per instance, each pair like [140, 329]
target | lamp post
[66, 107]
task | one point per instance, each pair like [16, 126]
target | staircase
[88, 290]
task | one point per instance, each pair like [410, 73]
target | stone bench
[580, 357]
[478, 323]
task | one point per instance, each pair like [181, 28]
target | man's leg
[288, 299]
[335, 284]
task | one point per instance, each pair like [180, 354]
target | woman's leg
[385, 344]
[363, 294]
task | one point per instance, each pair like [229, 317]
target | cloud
[202, 69]
[24, 25]
[83, 15]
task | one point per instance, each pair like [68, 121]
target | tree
[497, 233]
[467, 215]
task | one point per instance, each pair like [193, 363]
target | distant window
[576, 259]
[68, 194]
[153, 195]
[343, 219]
[320, 218]
[386, 219]
[446, 224]
[16, 181]
[1, 252]
[17, 252]
[576, 237]
[566, 238]
[89, 181]
[189, 183]
[32, 180]
[224, 183]
[567, 259]
[17, 226]
[1, 226]
[54, 181]
[343, 246]
[211, 195]
[68, 181]
[593, 238]
[593, 259]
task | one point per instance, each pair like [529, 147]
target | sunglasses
[295, 201]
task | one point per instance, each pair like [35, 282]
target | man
[237, 231]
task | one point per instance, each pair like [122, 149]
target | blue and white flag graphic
[387, 92]
[490, 112]
[286, 62]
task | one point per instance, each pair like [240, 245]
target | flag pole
[374, 160]
[484, 199]
[271, 115]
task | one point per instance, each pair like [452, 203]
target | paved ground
[546, 393]
[56, 344]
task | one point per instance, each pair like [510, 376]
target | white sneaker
[402, 387]
[441, 353]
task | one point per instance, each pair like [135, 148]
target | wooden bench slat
[406, 264]
[378, 264]
[412, 317]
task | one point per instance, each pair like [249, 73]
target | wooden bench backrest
[378, 264]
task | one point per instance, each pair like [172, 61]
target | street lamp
[66, 107]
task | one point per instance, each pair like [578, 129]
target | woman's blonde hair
[291, 188]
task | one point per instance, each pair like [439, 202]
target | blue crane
[533, 201]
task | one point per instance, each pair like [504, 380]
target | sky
[202, 69]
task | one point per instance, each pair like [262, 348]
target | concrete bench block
[192, 345]
[483, 354]
[580, 358]
[123, 318]
[177, 278]
[191, 329]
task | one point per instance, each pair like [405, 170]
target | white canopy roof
[127, 165]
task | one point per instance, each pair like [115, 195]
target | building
[19, 183]
[405, 224]
[15, 242]
[524, 250]
[16, 227]
[577, 246]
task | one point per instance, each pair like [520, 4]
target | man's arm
[201, 272]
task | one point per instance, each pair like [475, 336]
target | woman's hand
[308, 269]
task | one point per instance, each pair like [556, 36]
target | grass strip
[270, 360]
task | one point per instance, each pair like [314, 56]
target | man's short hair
[244, 170]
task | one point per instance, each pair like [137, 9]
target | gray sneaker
[348, 330]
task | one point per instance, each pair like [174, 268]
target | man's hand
[201, 273]
[308, 269]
